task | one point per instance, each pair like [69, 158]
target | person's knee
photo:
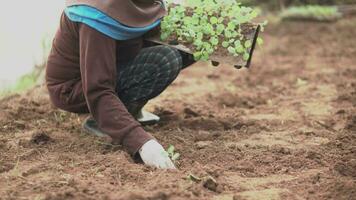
[61, 102]
[73, 108]
[171, 61]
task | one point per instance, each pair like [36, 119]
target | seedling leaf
[194, 178]
[231, 50]
[213, 20]
[175, 156]
[248, 44]
[225, 44]
[246, 56]
[170, 150]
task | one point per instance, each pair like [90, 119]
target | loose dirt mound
[284, 129]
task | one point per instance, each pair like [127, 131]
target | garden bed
[285, 130]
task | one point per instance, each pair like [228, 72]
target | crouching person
[99, 65]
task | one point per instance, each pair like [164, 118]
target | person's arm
[98, 73]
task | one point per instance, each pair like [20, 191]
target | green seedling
[209, 25]
[172, 154]
[194, 178]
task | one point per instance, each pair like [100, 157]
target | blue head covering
[104, 23]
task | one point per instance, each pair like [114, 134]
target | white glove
[153, 154]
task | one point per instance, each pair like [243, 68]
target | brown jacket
[81, 76]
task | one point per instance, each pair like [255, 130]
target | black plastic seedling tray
[217, 58]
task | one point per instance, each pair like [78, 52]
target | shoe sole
[92, 129]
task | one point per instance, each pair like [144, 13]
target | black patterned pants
[148, 75]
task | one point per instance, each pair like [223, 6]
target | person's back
[97, 65]
[63, 65]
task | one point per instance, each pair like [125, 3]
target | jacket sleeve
[98, 72]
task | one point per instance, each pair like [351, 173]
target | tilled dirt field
[285, 129]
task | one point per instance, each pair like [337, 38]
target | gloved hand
[153, 154]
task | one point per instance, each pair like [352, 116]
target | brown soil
[285, 129]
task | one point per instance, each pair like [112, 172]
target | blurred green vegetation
[277, 4]
[311, 12]
[24, 83]
[35, 77]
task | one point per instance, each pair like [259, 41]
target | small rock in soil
[202, 123]
[134, 196]
[203, 144]
[312, 155]
[190, 113]
[346, 168]
[203, 136]
[213, 76]
[280, 149]
[20, 125]
[210, 183]
[5, 167]
[238, 197]
[160, 196]
[40, 138]
[342, 111]
[316, 178]
[351, 125]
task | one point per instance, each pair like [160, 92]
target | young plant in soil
[210, 26]
[172, 153]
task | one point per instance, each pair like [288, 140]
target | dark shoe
[90, 126]
[147, 118]
[135, 108]
[144, 117]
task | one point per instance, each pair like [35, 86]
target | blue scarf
[105, 24]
